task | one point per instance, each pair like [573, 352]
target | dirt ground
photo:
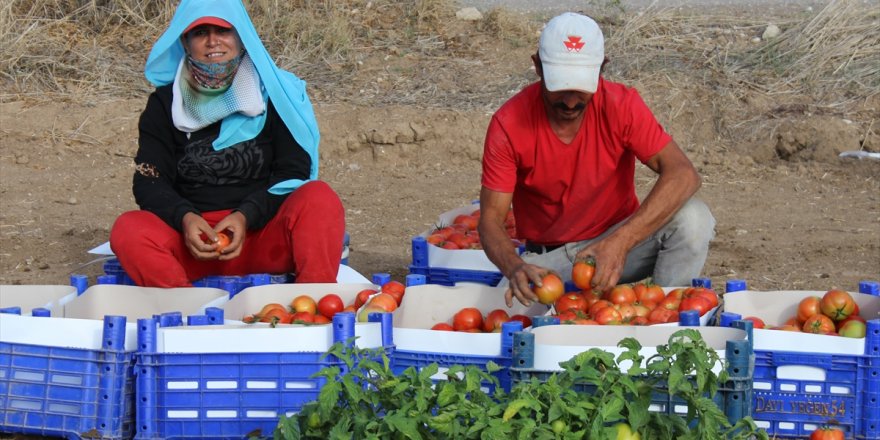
[791, 214]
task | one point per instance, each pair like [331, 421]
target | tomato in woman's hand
[550, 290]
[223, 240]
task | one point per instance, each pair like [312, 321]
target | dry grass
[417, 52]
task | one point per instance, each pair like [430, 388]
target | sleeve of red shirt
[499, 162]
[642, 134]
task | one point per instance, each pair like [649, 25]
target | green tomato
[624, 432]
[558, 426]
[314, 420]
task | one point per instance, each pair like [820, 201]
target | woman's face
[212, 44]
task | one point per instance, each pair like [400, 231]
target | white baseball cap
[572, 50]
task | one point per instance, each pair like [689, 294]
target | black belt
[542, 249]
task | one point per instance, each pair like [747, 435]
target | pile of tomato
[303, 309]
[463, 234]
[834, 313]
[472, 320]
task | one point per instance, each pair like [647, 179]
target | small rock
[354, 167]
[22, 159]
[772, 31]
[756, 39]
[43, 266]
[72, 201]
[469, 14]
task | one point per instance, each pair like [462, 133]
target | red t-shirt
[570, 192]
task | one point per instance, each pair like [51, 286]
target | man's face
[565, 105]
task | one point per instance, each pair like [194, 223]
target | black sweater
[179, 173]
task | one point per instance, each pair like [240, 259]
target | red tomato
[304, 303]
[268, 307]
[639, 320]
[394, 288]
[442, 326]
[708, 294]
[627, 312]
[837, 304]
[468, 221]
[525, 320]
[302, 318]
[223, 240]
[827, 433]
[677, 293]
[808, 307]
[494, 320]
[698, 303]
[621, 294]
[571, 301]
[819, 324]
[599, 305]
[362, 297]
[321, 319]
[330, 304]
[275, 316]
[551, 289]
[468, 318]
[582, 273]
[608, 316]
[648, 293]
[662, 315]
[756, 322]
[384, 301]
[642, 309]
[670, 302]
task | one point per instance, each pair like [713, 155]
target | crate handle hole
[106, 397]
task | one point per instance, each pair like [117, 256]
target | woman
[228, 149]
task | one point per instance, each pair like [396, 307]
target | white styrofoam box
[425, 305]
[60, 332]
[467, 259]
[252, 299]
[29, 297]
[775, 307]
[135, 302]
[260, 339]
[559, 343]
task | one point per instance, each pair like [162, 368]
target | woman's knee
[318, 195]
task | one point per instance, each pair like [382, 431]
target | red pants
[305, 237]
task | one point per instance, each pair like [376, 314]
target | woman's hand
[235, 226]
[195, 233]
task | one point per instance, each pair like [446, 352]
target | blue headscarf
[287, 92]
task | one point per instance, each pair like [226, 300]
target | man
[562, 153]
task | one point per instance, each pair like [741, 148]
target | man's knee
[695, 221]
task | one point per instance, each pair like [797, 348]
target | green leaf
[513, 408]
[288, 429]
[404, 425]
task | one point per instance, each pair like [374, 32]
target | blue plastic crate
[733, 396]
[233, 394]
[449, 277]
[403, 359]
[840, 389]
[69, 392]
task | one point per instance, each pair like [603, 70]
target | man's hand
[610, 256]
[521, 280]
[235, 226]
[195, 231]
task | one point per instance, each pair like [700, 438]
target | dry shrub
[417, 52]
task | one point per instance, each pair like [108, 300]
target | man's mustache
[561, 106]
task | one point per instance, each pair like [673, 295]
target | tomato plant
[330, 304]
[582, 273]
[837, 304]
[550, 290]
[467, 318]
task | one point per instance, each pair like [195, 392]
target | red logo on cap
[574, 43]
